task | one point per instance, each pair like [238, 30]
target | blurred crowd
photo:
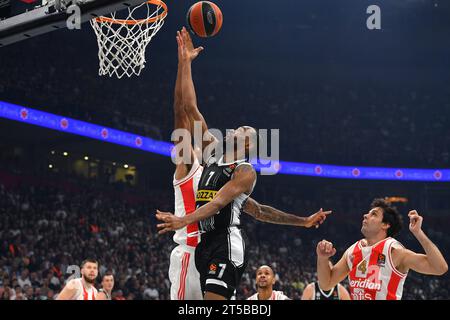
[46, 228]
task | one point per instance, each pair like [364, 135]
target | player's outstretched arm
[432, 262]
[184, 156]
[272, 215]
[188, 54]
[328, 275]
[178, 107]
[243, 180]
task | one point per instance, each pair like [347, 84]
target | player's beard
[263, 286]
[88, 280]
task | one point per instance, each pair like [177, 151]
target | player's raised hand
[171, 222]
[325, 249]
[415, 221]
[180, 43]
[316, 219]
[189, 51]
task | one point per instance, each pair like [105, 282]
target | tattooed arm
[271, 215]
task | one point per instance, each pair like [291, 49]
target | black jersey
[222, 255]
[108, 297]
[332, 294]
[215, 175]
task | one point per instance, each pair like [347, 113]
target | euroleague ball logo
[64, 123]
[104, 133]
[212, 268]
[277, 166]
[437, 175]
[318, 170]
[24, 114]
[138, 141]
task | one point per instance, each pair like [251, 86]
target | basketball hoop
[122, 42]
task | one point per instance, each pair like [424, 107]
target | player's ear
[385, 226]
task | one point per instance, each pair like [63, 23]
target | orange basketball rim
[160, 16]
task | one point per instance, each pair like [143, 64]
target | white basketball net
[122, 42]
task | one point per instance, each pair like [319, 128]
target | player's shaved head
[251, 137]
[265, 267]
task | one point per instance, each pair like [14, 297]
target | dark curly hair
[391, 216]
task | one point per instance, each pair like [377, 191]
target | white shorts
[183, 275]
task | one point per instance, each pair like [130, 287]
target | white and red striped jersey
[373, 275]
[185, 191]
[276, 295]
[81, 292]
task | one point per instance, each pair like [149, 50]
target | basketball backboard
[50, 15]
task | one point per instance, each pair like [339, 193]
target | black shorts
[221, 258]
